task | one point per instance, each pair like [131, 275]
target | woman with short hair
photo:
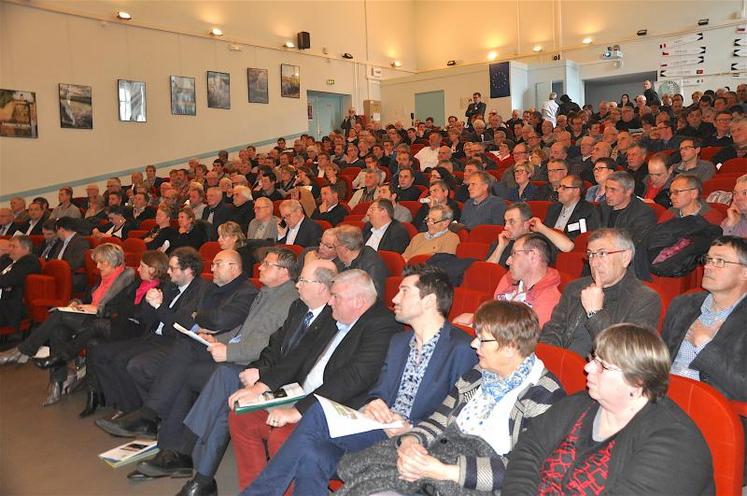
[163, 236]
[623, 436]
[189, 233]
[230, 237]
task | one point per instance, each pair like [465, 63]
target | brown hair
[157, 260]
[510, 323]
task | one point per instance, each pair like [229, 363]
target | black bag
[685, 239]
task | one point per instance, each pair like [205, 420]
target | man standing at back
[550, 108]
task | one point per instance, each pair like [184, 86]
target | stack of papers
[130, 452]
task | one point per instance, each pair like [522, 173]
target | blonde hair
[109, 253]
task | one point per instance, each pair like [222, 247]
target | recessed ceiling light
[586, 41]
[537, 48]
[125, 16]
[492, 55]
[289, 44]
[396, 63]
[216, 32]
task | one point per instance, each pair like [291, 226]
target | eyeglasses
[673, 192]
[514, 252]
[598, 169]
[174, 268]
[265, 263]
[434, 221]
[601, 254]
[717, 262]
[521, 171]
[686, 147]
[555, 170]
[308, 281]
[592, 357]
[481, 341]
[564, 187]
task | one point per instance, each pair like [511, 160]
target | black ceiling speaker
[304, 40]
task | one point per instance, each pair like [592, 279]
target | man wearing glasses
[438, 238]
[705, 331]
[691, 164]
[735, 223]
[571, 214]
[722, 136]
[611, 295]
[686, 192]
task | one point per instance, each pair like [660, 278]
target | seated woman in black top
[163, 236]
[189, 233]
[525, 190]
[230, 237]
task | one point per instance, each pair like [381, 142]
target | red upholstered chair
[137, 233]
[147, 224]
[734, 166]
[53, 288]
[720, 426]
[419, 259]
[566, 365]
[25, 323]
[297, 249]
[571, 263]
[539, 208]
[463, 235]
[658, 209]
[256, 282]
[92, 272]
[208, 251]
[484, 234]
[351, 171]
[467, 329]
[132, 259]
[356, 218]
[720, 182]
[391, 288]
[393, 261]
[466, 301]
[37, 239]
[565, 279]
[134, 245]
[323, 224]
[411, 230]
[466, 249]
[708, 151]
[581, 242]
[416, 148]
[360, 209]
[669, 287]
[357, 223]
[208, 276]
[483, 277]
[276, 207]
[412, 206]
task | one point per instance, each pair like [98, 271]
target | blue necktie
[299, 332]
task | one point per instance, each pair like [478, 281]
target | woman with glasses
[438, 238]
[524, 190]
[464, 446]
[623, 436]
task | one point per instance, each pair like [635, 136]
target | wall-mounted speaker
[304, 40]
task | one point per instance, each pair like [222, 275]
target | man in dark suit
[330, 208]
[309, 457]
[299, 229]
[216, 211]
[572, 214]
[51, 242]
[477, 107]
[382, 231]
[140, 209]
[223, 307]
[622, 210]
[309, 324]
[352, 253]
[72, 249]
[37, 216]
[349, 121]
[12, 282]
[7, 226]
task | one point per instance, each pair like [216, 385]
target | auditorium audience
[36, 217]
[623, 210]
[163, 237]
[438, 238]
[481, 207]
[296, 228]
[71, 247]
[735, 223]
[65, 207]
[686, 193]
[691, 162]
[330, 209]
[656, 186]
[20, 262]
[382, 231]
[385, 192]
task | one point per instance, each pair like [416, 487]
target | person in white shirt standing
[550, 108]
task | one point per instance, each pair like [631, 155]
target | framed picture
[76, 110]
[256, 80]
[131, 96]
[18, 117]
[219, 90]
[290, 81]
[183, 99]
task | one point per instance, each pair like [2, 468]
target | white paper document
[73, 310]
[344, 421]
[190, 334]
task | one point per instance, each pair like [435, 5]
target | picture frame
[18, 117]
[76, 106]
[132, 101]
[290, 81]
[183, 95]
[219, 90]
[256, 81]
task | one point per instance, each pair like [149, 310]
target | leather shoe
[49, 362]
[131, 425]
[195, 488]
[140, 477]
[167, 462]
[54, 394]
[94, 399]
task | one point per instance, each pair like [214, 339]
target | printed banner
[682, 62]
[738, 66]
[667, 73]
[683, 40]
[684, 51]
[740, 52]
[692, 82]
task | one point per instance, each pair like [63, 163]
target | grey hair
[110, 253]
[622, 238]
[624, 178]
[325, 274]
[444, 211]
[350, 237]
[361, 284]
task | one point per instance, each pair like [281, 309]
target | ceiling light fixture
[451, 62]
[289, 44]
[642, 32]
[537, 48]
[396, 63]
[347, 55]
[216, 32]
[125, 16]
[587, 40]
[492, 55]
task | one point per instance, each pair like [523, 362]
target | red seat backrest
[208, 251]
[484, 234]
[323, 224]
[539, 208]
[719, 183]
[466, 301]
[147, 224]
[419, 259]
[734, 166]
[360, 209]
[356, 223]
[571, 263]
[566, 365]
[470, 331]
[391, 288]
[412, 206]
[708, 151]
[411, 230]
[720, 426]
[467, 249]
[393, 261]
[60, 271]
[134, 245]
[483, 277]
[581, 242]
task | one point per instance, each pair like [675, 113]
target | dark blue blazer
[452, 358]
[531, 193]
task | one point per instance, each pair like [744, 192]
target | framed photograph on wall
[256, 80]
[76, 109]
[18, 117]
[219, 90]
[183, 98]
[290, 81]
[131, 95]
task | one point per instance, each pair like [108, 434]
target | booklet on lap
[344, 421]
[288, 394]
[129, 452]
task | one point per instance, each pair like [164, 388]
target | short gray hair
[110, 253]
[444, 211]
[624, 178]
[622, 238]
[361, 284]
[350, 237]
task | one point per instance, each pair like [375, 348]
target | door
[325, 113]
[430, 104]
[541, 92]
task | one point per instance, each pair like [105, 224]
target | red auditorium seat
[208, 251]
[393, 261]
[412, 206]
[356, 223]
[391, 288]
[297, 249]
[720, 426]
[581, 242]
[484, 234]
[350, 171]
[659, 210]
[419, 259]
[37, 239]
[92, 272]
[53, 288]
[148, 224]
[565, 279]
[132, 259]
[483, 277]
[134, 245]
[566, 365]
[411, 230]
[323, 224]
[669, 287]
[466, 301]
[719, 182]
[416, 148]
[468, 249]
[137, 233]
[708, 151]
[734, 166]
[470, 331]
[360, 209]
[539, 208]
[571, 263]
[356, 218]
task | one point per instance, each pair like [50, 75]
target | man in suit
[477, 107]
[125, 369]
[216, 212]
[330, 208]
[37, 216]
[571, 213]
[18, 207]
[343, 369]
[298, 230]
[7, 225]
[705, 331]
[352, 253]
[264, 225]
[12, 283]
[140, 209]
[622, 210]
[382, 231]
[349, 121]
[50, 243]
[72, 249]
[309, 456]
[309, 324]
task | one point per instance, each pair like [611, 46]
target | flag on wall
[500, 80]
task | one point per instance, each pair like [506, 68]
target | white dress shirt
[376, 235]
[315, 377]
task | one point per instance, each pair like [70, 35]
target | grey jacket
[266, 315]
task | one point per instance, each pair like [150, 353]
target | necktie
[299, 332]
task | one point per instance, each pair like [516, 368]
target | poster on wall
[18, 114]
[183, 97]
[131, 96]
[76, 109]
[219, 90]
[500, 80]
[256, 81]
[290, 81]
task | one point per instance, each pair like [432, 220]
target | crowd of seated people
[588, 227]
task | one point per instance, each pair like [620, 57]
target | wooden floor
[51, 452]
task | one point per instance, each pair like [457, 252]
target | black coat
[334, 216]
[221, 213]
[309, 234]
[147, 213]
[74, 255]
[637, 218]
[12, 285]
[369, 261]
[243, 215]
[582, 210]
[37, 230]
[183, 309]
[222, 308]
[395, 238]
[352, 369]
[163, 234]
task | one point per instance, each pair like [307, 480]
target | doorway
[430, 104]
[612, 88]
[325, 112]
